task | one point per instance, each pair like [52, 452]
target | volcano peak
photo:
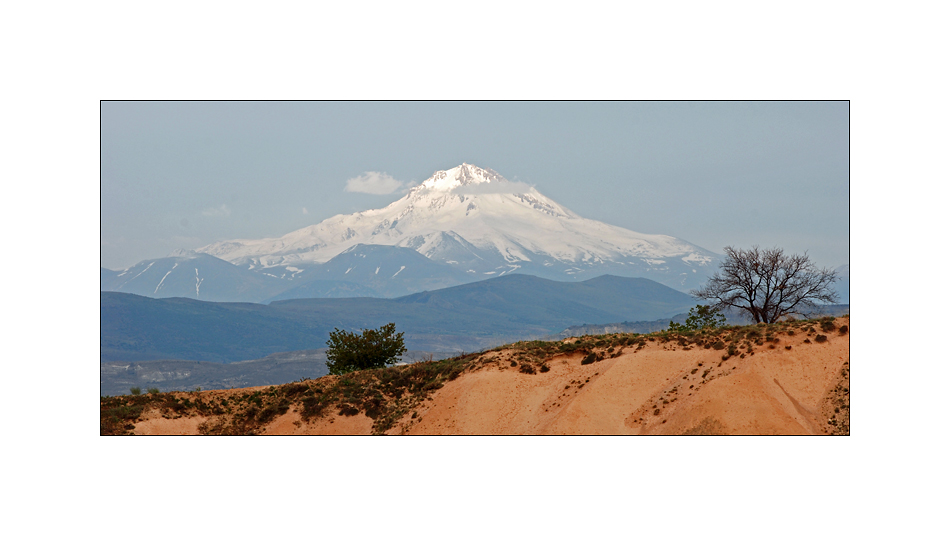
[462, 175]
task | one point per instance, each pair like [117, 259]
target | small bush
[545, 368]
[527, 369]
[126, 412]
[347, 410]
[267, 414]
[589, 358]
[373, 349]
[153, 390]
[295, 389]
[135, 390]
[843, 330]
[821, 338]
[700, 317]
[313, 406]
[719, 345]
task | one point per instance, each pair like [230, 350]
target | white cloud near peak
[373, 182]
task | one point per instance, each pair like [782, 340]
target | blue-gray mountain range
[456, 319]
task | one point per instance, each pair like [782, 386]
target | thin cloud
[222, 211]
[373, 182]
[507, 187]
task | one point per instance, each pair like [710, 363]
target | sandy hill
[789, 378]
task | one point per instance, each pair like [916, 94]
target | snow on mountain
[192, 275]
[477, 221]
[376, 271]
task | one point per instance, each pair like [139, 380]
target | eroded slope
[789, 378]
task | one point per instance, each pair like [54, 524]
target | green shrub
[153, 390]
[374, 349]
[700, 317]
[135, 390]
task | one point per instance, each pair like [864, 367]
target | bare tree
[768, 284]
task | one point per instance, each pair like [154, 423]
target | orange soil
[659, 389]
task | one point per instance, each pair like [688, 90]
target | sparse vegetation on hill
[384, 395]
[837, 403]
[393, 396]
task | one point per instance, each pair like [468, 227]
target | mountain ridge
[462, 318]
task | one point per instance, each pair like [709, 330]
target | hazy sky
[185, 174]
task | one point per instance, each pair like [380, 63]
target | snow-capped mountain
[475, 220]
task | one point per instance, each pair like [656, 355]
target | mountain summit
[475, 220]
[463, 175]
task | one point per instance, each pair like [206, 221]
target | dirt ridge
[789, 378]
